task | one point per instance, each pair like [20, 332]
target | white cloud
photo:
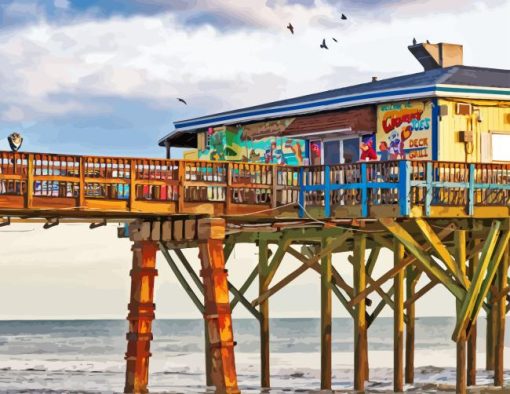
[64, 4]
[158, 58]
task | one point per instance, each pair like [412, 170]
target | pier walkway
[71, 186]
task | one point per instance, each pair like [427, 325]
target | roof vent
[439, 55]
[374, 79]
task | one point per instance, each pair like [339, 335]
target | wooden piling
[265, 380]
[398, 320]
[140, 317]
[490, 335]
[326, 320]
[208, 359]
[500, 311]
[471, 341]
[211, 233]
[360, 324]
[460, 260]
[410, 325]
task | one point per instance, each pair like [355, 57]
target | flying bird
[290, 27]
[414, 41]
[343, 17]
[182, 101]
[334, 39]
[323, 45]
[15, 141]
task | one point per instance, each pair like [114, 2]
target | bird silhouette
[291, 28]
[334, 39]
[182, 101]
[343, 17]
[323, 45]
[414, 41]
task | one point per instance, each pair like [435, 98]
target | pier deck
[445, 222]
[71, 186]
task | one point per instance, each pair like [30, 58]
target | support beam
[460, 262]
[500, 311]
[423, 259]
[492, 253]
[420, 293]
[360, 326]
[490, 335]
[211, 233]
[326, 320]
[277, 258]
[208, 359]
[398, 321]
[380, 306]
[181, 279]
[395, 270]
[265, 375]
[141, 314]
[441, 250]
[411, 280]
[246, 285]
[336, 278]
[471, 340]
[336, 243]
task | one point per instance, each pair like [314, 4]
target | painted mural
[404, 130]
[236, 145]
[367, 148]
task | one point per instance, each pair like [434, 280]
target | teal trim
[404, 187]
[471, 192]
[327, 192]
[472, 90]
[302, 189]
[428, 192]
[364, 191]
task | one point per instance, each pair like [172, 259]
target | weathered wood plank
[360, 324]
[398, 321]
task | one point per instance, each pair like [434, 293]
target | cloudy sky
[102, 77]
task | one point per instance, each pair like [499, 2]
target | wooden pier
[447, 221]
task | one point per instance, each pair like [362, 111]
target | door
[331, 152]
[350, 151]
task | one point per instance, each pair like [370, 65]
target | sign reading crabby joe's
[404, 130]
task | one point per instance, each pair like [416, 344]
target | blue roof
[421, 84]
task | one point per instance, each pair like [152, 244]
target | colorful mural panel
[404, 130]
[367, 148]
[233, 144]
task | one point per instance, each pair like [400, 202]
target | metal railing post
[364, 190]
[428, 187]
[404, 187]
[471, 190]
[301, 197]
[327, 191]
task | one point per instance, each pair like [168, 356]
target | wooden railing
[39, 181]
[405, 185]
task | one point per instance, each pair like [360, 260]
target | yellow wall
[191, 154]
[495, 116]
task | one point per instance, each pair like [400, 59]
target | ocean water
[88, 356]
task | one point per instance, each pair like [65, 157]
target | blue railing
[404, 183]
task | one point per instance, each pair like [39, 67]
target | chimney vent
[439, 55]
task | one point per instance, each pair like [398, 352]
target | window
[500, 143]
